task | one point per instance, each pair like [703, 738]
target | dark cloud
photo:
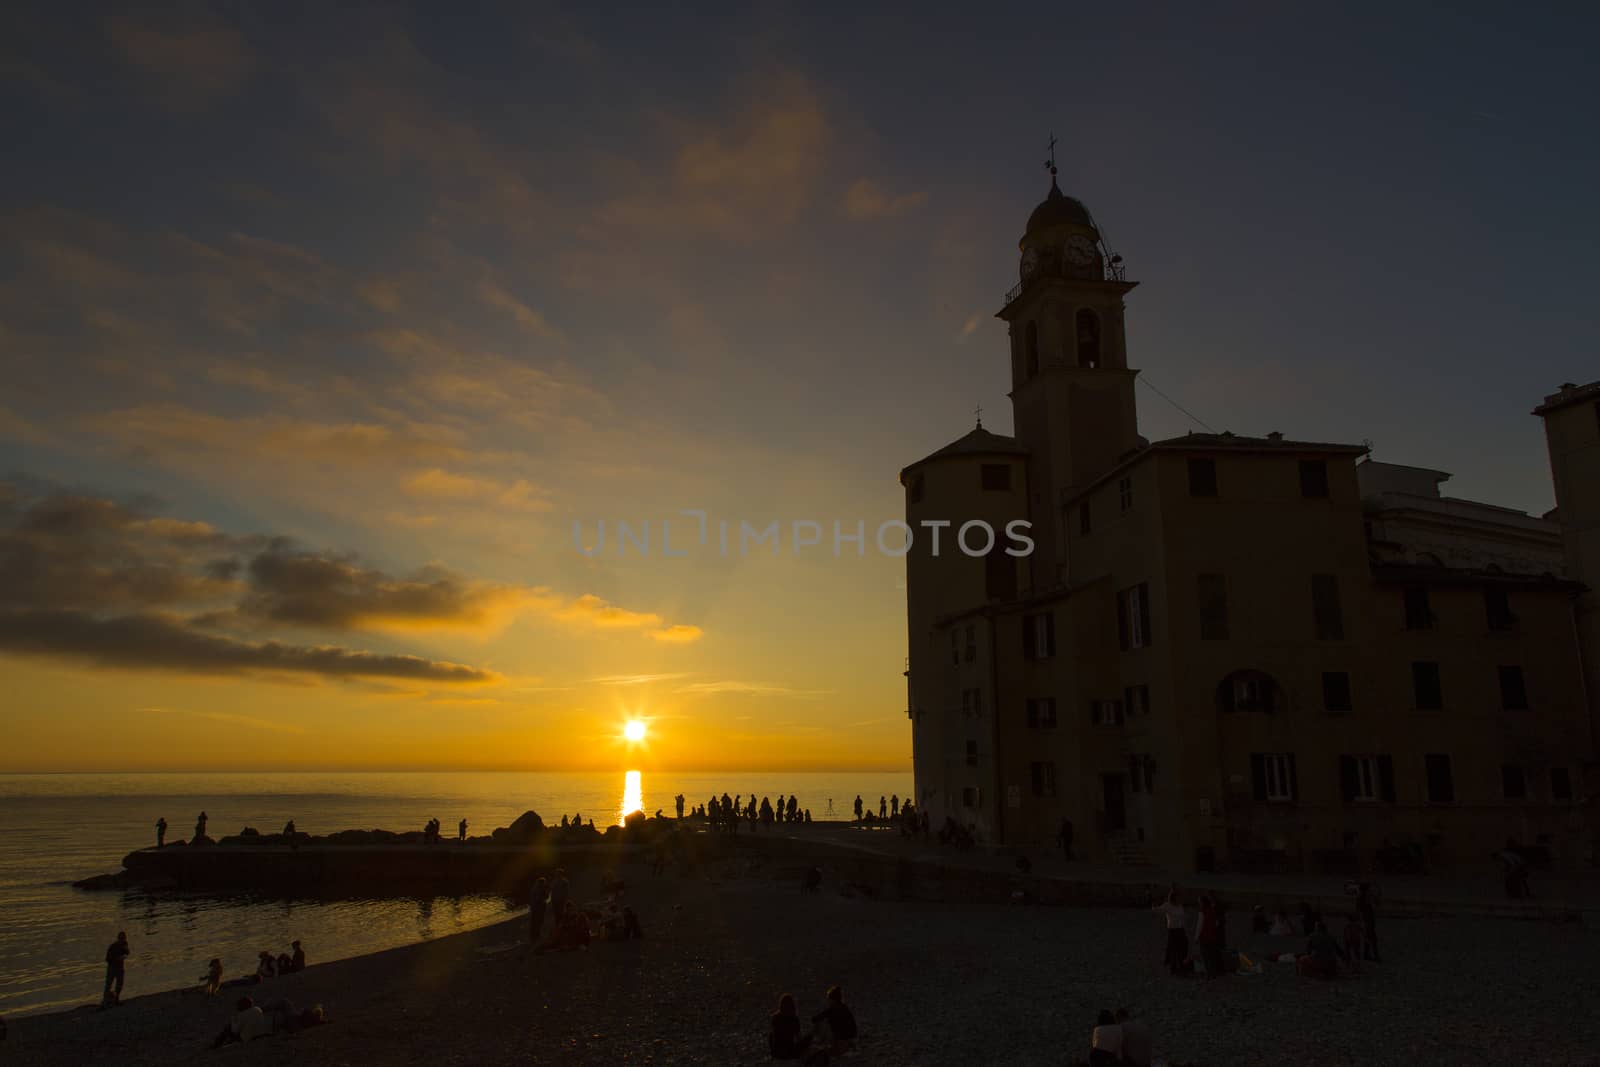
[94, 554]
[154, 642]
[101, 582]
[292, 587]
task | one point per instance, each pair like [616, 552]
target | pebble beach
[930, 983]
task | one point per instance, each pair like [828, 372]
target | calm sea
[57, 828]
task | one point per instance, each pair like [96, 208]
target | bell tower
[1071, 389]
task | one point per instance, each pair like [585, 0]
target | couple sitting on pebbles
[279, 1017]
[786, 1042]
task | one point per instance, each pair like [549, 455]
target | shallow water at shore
[59, 828]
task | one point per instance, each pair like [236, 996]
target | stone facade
[1249, 652]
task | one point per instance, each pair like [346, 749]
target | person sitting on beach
[247, 1024]
[267, 967]
[575, 930]
[841, 1022]
[297, 960]
[285, 964]
[1105, 1041]
[212, 978]
[1281, 926]
[287, 1019]
[1135, 1042]
[1322, 955]
[785, 1041]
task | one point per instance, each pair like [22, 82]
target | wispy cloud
[231, 718]
[739, 180]
[749, 689]
[636, 679]
[866, 199]
[192, 63]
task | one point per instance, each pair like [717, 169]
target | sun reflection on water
[632, 795]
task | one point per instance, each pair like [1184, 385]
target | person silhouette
[679, 799]
[858, 807]
[200, 827]
[883, 807]
[288, 828]
[461, 831]
[894, 806]
[116, 962]
[161, 832]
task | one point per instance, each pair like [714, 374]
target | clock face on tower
[1030, 263]
[1080, 251]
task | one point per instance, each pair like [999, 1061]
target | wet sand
[930, 984]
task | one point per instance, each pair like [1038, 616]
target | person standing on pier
[116, 963]
[161, 832]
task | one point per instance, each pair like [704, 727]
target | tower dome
[1058, 209]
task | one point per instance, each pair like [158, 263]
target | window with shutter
[1366, 778]
[1428, 691]
[1419, 614]
[1441, 783]
[1313, 478]
[1273, 776]
[1336, 691]
[1513, 690]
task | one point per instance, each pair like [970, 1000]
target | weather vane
[978, 411]
[1050, 164]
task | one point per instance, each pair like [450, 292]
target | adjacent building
[1252, 652]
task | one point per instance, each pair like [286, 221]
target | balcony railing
[1113, 272]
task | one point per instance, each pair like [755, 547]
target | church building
[1251, 653]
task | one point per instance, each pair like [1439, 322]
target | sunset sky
[320, 328]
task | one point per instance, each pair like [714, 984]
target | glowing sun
[634, 730]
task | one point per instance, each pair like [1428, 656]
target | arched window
[1031, 350]
[1248, 690]
[1088, 338]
